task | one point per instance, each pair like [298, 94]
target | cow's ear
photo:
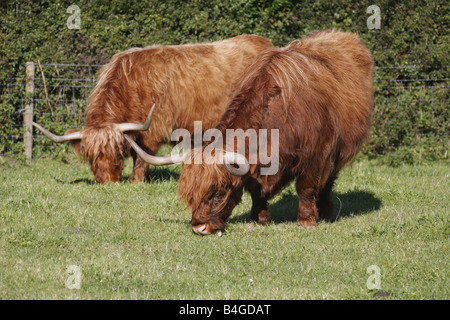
[76, 144]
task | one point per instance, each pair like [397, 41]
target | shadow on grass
[84, 180]
[354, 202]
[77, 181]
[157, 175]
[161, 174]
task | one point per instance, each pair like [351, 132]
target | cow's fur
[318, 93]
[185, 82]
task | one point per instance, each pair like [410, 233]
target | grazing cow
[318, 94]
[185, 83]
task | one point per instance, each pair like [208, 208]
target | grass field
[134, 241]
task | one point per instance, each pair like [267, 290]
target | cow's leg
[324, 202]
[140, 170]
[259, 211]
[307, 209]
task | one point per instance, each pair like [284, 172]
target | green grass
[134, 241]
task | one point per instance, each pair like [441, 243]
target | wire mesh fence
[60, 99]
[411, 110]
[411, 106]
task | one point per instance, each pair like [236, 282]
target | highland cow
[185, 83]
[318, 94]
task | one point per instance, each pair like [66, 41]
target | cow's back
[186, 83]
[317, 92]
[341, 87]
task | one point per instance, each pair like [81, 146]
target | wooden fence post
[28, 113]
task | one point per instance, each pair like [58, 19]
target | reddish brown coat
[186, 83]
[318, 93]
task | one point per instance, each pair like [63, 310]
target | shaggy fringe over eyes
[103, 142]
[195, 180]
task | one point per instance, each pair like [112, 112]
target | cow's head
[104, 147]
[211, 189]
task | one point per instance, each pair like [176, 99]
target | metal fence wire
[61, 94]
[60, 99]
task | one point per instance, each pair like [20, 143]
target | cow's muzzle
[203, 229]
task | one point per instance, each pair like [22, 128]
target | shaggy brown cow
[318, 93]
[185, 82]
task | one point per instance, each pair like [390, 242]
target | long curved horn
[136, 126]
[154, 160]
[233, 158]
[77, 135]
[71, 136]
[230, 159]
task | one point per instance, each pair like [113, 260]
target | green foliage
[412, 118]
